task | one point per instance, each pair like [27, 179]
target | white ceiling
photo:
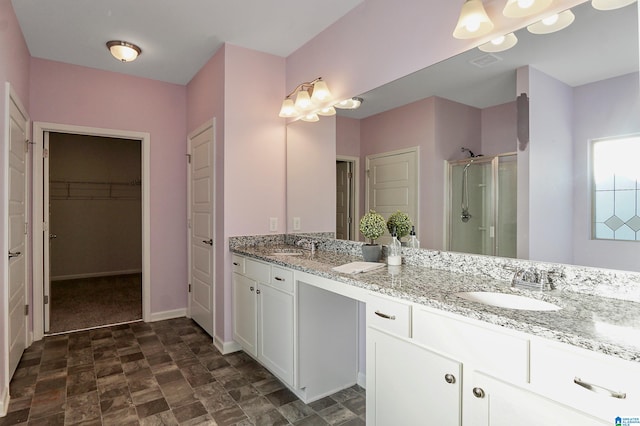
[177, 37]
[598, 45]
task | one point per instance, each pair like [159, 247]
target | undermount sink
[287, 252]
[509, 301]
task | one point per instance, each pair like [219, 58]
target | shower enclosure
[481, 211]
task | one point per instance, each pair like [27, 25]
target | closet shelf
[94, 190]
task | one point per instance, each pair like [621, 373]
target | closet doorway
[94, 249]
[95, 231]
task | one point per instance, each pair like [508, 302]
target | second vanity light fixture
[312, 99]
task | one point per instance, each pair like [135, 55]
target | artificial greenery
[372, 225]
[401, 222]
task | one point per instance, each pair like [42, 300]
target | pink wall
[499, 129]
[69, 94]
[14, 68]
[347, 136]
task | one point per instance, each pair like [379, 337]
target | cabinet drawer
[500, 354]
[282, 278]
[598, 384]
[257, 270]
[389, 315]
[237, 263]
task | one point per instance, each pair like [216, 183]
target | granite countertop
[606, 325]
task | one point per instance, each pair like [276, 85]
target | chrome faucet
[534, 279]
[307, 244]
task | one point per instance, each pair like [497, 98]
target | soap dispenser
[413, 240]
[395, 250]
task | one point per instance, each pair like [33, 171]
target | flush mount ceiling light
[123, 51]
[353, 103]
[610, 4]
[473, 21]
[499, 44]
[522, 8]
[552, 23]
[307, 101]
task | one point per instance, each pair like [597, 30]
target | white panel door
[202, 267]
[17, 234]
[392, 185]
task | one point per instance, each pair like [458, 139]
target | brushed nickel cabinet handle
[478, 392]
[450, 378]
[385, 316]
[599, 389]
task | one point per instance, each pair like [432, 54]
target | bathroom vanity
[433, 357]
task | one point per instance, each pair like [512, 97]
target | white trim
[356, 192]
[362, 380]
[95, 275]
[4, 401]
[38, 226]
[165, 315]
[226, 347]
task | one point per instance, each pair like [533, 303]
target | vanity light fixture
[123, 50]
[473, 21]
[312, 98]
[352, 103]
[552, 23]
[610, 4]
[522, 8]
[499, 44]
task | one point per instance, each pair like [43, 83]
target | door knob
[14, 254]
[209, 241]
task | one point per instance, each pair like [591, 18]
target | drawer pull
[251, 288]
[450, 378]
[599, 389]
[385, 316]
[279, 279]
[478, 392]
[235, 263]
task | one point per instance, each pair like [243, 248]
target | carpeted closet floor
[93, 302]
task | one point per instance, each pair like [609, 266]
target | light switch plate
[273, 224]
[296, 223]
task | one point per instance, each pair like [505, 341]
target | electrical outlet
[296, 223]
[273, 224]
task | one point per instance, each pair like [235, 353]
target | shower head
[471, 154]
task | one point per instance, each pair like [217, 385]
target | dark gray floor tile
[281, 397]
[15, 417]
[160, 419]
[190, 411]
[82, 408]
[296, 411]
[243, 393]
[256, 406]
[48, 403]
[312, 420]
[323, 403]
[356, 404]
[56, 419]
[270, 418]
[229, 416]
[152, 407]
[336, 414]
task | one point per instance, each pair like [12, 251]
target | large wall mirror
[460, 117]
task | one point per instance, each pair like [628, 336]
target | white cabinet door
[410, 385]
[275, 331]
[245, 318]
[496, 403]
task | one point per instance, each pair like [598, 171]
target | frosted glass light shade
[552, 23]
[522, 8]
[123, 51]
[303, 101]
[311, 117]
[327, 112]
[499, 44]
[321, 92]
[288, 109]
[473, 21]
[352, 103]
[610, 4]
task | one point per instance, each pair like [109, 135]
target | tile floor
[162, 373]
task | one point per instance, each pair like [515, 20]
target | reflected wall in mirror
[582, 83]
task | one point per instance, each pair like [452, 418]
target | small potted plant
[401, 222]
[372, 226]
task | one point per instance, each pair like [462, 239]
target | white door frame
[355, 195]
[39, 128]
[204, 127]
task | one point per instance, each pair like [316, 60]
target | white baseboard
[95, 274]
[4, 401]
[161, 316]
[362, 380]
[226, 347]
